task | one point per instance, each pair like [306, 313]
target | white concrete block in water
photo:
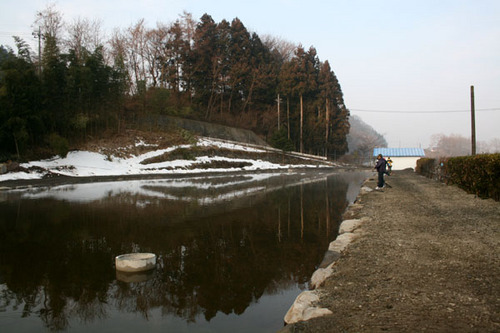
[135, 262]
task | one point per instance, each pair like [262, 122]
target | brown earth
[123, 144]
[427, 259]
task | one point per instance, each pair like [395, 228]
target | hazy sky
[412, 58]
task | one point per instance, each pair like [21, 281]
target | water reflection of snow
[203, 190]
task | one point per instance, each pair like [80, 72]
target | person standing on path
[389, 166]
[380, 166]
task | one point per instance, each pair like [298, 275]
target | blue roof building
[399, 152]
[402, 158]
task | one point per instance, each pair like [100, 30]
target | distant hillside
[362, 135]
[362, 138]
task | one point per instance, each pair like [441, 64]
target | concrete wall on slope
[206, 129]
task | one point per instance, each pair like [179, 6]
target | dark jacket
[380, 166]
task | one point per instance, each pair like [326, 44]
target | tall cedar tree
[336, 114]
[205, 64]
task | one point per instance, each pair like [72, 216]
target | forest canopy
[78, 84]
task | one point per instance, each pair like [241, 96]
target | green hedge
[479, 174]
[426, 167]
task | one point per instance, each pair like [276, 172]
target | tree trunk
[301, 124]
[17, 148]
[288, 115]
[278, 100]
[327, 116]
[249, 97]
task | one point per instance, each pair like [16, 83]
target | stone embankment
[418, 256]
[304, 307]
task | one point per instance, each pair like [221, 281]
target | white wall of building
[401, 163]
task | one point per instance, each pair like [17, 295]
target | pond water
[233, 252]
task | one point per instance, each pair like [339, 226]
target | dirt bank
[428, 259]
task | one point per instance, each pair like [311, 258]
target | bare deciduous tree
[457, 145]
[452, 145]
[50, 22]
[155, 40]
[283, 47]
[84, 35]
[493, 145]
[136, 49]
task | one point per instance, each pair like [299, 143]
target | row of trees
[458, 145]
[78, 84]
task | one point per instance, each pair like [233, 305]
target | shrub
[280, 140]
[426, 167]
[58, 144]
[479, 174]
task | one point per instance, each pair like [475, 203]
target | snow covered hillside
[87, 163]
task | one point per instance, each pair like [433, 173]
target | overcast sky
[404, 66]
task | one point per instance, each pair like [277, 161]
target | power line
[14, 33]
[435, 111]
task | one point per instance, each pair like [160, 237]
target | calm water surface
[233, 252]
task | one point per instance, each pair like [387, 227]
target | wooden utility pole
[288, 115]
[39, 52]
[473, 121]
[278, 100]
[39, 36]
[301, 124]
[327, 121]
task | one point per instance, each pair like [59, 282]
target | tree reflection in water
[221, 244]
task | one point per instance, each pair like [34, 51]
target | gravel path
[427, 259]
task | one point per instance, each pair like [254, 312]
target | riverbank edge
[304, 307]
